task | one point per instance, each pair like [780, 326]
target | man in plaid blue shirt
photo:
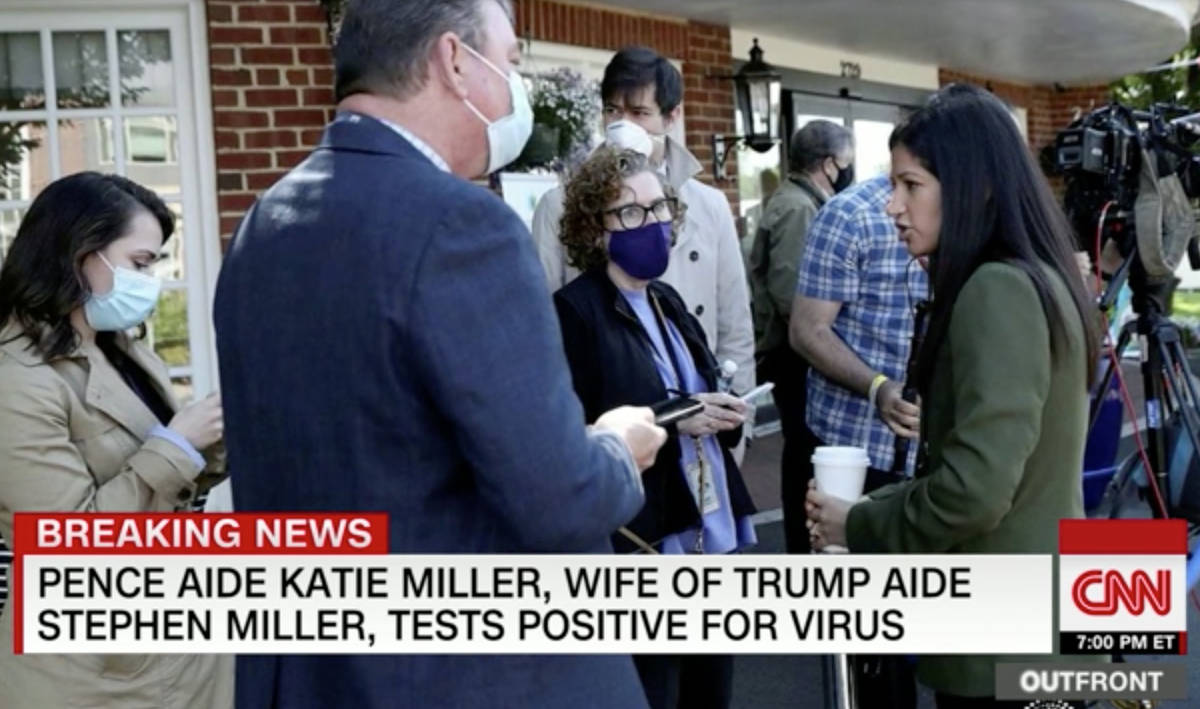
[853, 321]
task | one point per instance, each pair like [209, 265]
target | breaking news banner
[324, 583]
[1123, 587]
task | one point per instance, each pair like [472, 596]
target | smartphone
[757, 392]
[675, 410]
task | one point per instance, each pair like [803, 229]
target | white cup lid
[840, 455]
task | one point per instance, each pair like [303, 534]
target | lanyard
[660, 320]
[702, 480]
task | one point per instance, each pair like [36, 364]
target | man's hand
[635, 425]
[904, 418]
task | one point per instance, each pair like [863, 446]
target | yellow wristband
[877, 382]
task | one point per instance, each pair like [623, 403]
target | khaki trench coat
[74, 436]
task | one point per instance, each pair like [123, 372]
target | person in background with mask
[630, 340]
[642, 89]
[88, 422]
[820, 164]
[386, 344]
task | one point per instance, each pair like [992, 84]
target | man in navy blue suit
[386, 343]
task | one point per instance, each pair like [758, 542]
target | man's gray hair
[383, 46]
[816, 141]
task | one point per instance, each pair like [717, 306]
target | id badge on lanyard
[698, 473]
[700, 481]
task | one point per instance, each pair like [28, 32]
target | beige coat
[74, 436]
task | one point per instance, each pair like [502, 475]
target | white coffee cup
[840, 471]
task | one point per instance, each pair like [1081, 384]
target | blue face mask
[642, 252]
[128, 304]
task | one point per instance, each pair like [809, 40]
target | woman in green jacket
[1004, 369]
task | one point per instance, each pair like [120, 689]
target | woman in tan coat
[88, 421]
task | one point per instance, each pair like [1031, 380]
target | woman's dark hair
[41, 281]
[996, 206]
[594, 186]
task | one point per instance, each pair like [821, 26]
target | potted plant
[566, 108]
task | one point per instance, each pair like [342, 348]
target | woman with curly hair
[630, 340]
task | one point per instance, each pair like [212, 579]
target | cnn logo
[1099, 592]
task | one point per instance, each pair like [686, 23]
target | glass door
[872, 124]
[759, 173]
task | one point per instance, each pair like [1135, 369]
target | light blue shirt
[161, 431]
[854, 256]
[722, 534]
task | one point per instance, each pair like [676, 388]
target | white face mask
[627, 135]
[128, 304]
[507, 135]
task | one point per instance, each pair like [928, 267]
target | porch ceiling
[1034, 41]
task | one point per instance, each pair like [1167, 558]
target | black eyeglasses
[633, 216]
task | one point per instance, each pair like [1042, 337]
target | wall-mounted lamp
[757, 92]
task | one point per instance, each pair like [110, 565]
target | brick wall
[709, 102]
[1054, 108]
[704, 49]
[599, 28]
[1050, 109]
[1016, 94]
[272, 79]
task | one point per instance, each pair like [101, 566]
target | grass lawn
[1187, 304]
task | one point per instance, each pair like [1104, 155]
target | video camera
[1136, 171]
[1131, 177]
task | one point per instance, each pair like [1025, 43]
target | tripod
[1167, 382]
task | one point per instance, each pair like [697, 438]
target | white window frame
[186, 21]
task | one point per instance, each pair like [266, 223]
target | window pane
[170, 268]
[81, 69]
[152, 152]
[761, 106]
[146, 68]
[10, 220]
[803, 119]
[167, 329]
[758, 177]
[22, 86]
[86, 144]
[871, 154]
[24, 160]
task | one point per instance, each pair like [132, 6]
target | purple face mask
[642, 252]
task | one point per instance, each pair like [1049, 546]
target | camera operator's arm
[1110, 261]
[810, 332]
